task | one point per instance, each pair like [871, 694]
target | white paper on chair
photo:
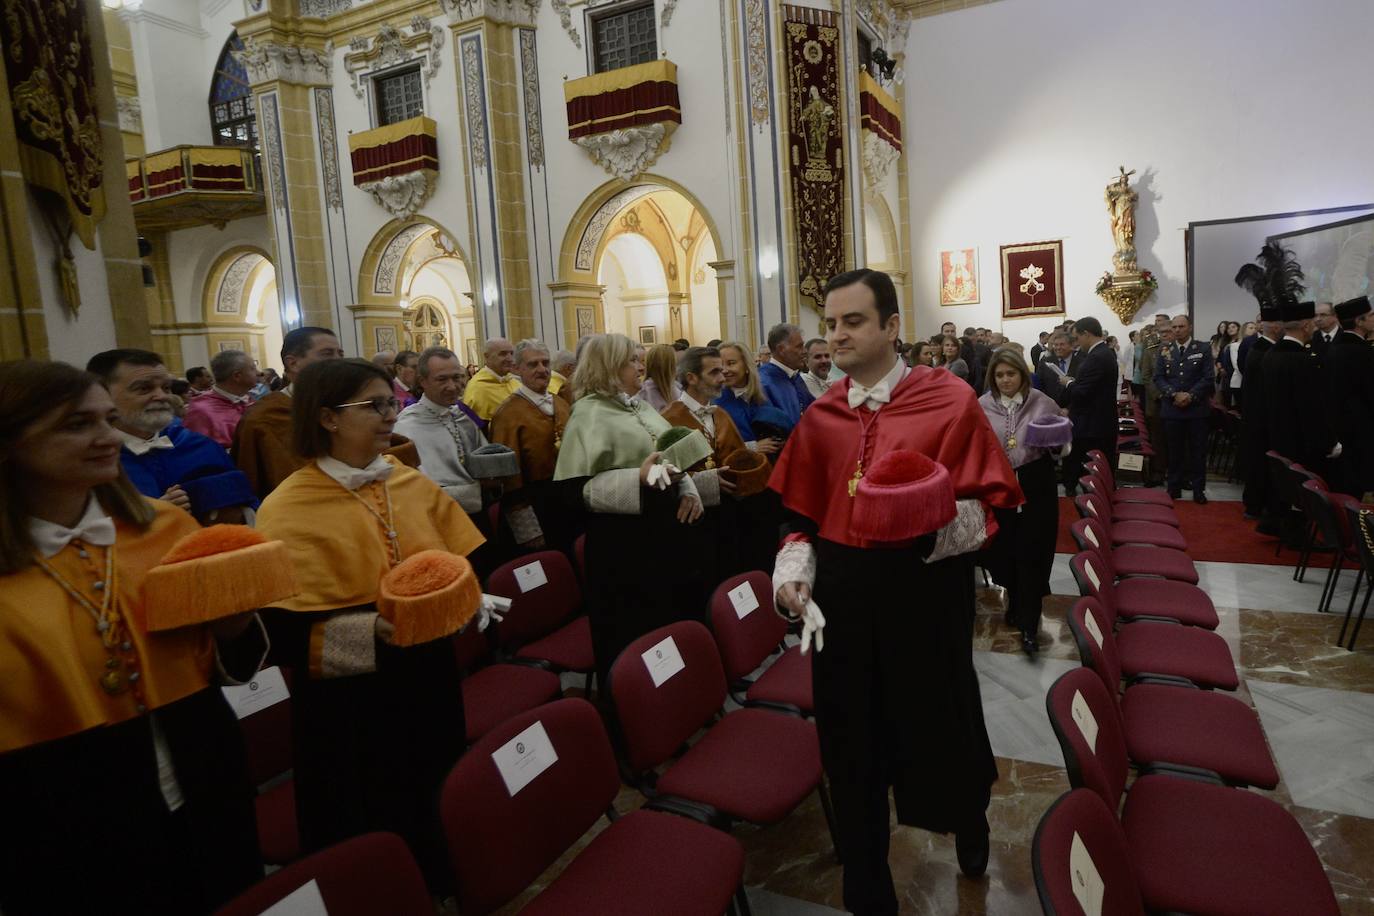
[267, 688]
[1088, 533]
[1088, 888]
[1127, 462]
[524, 757]
[1083, 718]
[1090, 622]
[663, 661]
[530, 576]
[305, 900]
[744, 600]
[1092, 575]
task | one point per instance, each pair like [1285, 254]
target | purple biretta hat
[1049, 432]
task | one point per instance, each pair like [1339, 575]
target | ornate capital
[510, 12]
[267, 60]
[402, 195]
[627, 153]
[391, 46]
[878, 158]
[323, 9]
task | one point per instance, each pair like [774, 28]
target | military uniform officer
[1184, 377]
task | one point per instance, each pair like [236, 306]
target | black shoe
[1200, 497]
[972, 847]
[1270, 528]
[1175, 494]
[1029, 645]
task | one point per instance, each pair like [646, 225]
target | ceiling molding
[922, 9]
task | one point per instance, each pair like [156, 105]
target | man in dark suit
[1349, 368]
[1184, 377]
[1040, 348]
[1055, 367]
[1327, 328]
[1092, 400]
[1254, 425]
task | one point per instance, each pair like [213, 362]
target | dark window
[624, 37]
[233, 120]
[865, 53]
[398, 96]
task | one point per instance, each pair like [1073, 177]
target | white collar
[95, 527]
[351, 478]
[232, 398]
[142, 446]
[694, 406]
[739, 392]
[1294, 339]
[1010, 402]
[790, 372]
[438, 410]
[881, 392]
[286, 389]
[543, 401]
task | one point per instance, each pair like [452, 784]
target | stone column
[576, 304]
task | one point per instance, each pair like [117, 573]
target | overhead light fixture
[768, 262]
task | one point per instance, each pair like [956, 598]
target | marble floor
[1316, 702]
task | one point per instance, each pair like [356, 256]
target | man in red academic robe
[897, 699]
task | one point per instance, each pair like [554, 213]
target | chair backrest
[267, 736]
[1091, 534]
[1316, 504]
[657, 720]
[367, 874]
[1091, 575]
[1083, 715]
[471, 647]
[746, 627]
[1091, 483]
[536, 609]
[1092, 631]
[501, 842]
[1079, 858]
[1090, 505]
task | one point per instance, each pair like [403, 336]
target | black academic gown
[1299, 417]
[1254, 428]
[1350, 378]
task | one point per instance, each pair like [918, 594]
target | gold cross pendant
[854, 481]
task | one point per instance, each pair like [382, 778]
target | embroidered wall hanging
[1033, 279]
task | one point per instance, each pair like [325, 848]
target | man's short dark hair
[431, 353]
[297, 342]
[884, 293]
[813, 341]
[105, 365]
[1044, 334]
[325, 384]
[1089, 325]
[180, 387]
[781, 333]
[690, 364]
[681, 344]
[713, 343]
[196, 372]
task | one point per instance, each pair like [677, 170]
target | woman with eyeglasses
[375, 727]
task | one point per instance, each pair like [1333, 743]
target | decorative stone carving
[390, 46]
[627, 153]
[385, 282]
[512, 12]
[267, 60]
[534, 121]
[231, 287]
[890, 22]
[271, 142]
[755, 30]
[329, 150]
[667, 15]
[473, 99]
[130, 114]
[323, 9]
[565, 19]
[878, 158]
[402, 195]
[596, 226]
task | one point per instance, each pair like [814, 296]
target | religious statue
[1121, 201]
[816, 118]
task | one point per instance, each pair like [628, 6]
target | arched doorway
[415, 291]
[241, 308]
[880, 235]
[638, 261]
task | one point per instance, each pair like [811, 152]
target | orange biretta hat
[216, 572]
[428, 596]
[903, 496]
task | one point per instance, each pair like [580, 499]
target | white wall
[1019, 112]
[72, 339]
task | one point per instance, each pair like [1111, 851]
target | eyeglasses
[383, 406]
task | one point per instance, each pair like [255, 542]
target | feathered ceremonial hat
[1275, 278]
[903, 496]
[216, 572]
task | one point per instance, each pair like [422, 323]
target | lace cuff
[615, 492]
[965, 534]
[524, 524]
[708, 485]
[343, 645]
[796, 562]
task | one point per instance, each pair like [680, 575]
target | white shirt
[351, 478]
[875, 397]
[703, 412]
[232, 398]
[543, 401]
[815, 384]
[1010, 403]
[790, 372]
[141, 446]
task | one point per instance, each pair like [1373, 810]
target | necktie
[50, 538]
[147, 445]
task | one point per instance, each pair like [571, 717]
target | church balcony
[624, 119]
[188, 186]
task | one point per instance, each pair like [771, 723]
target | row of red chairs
[1190, 837]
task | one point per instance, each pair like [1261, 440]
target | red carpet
[1216, 532]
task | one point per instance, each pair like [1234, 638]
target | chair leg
[740, 904]
[1329, 586]
[824, 792]
[1306, 556]
[1360, 620]
[1350, 608]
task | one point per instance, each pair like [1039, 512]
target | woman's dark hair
[1008, 356]
[29, 391]
[326, 384]
[884, 293]
[940, 349]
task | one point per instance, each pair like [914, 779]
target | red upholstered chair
[1128, 512]
[1150, 495]
[1196, 846]
[643, 862]
[492, 693]
[267, 735]
[363, 876]
[745, 642]
[1149, 533]
[1148, 647]
[750, 765]
[1167, 719]
[1160, 599]
[545, 623]
[1131, 560]
[1079, 816]
[1325, 510]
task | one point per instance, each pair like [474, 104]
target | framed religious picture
[385, 336]
[648, 335]
[1032, 279]
[959, 276]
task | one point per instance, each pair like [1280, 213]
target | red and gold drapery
[816, 148]
[189, 168]
[878, 112]
[628, 97]
[51, 74]
[396, 149]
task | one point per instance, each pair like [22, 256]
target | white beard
[151, 420]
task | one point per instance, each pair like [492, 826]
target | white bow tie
[93, 528]
[352, 478]
[144, 446]
[859, 395]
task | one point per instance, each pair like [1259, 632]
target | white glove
[813, 624]
[1336, 452]
[661, 475]
[493, 607]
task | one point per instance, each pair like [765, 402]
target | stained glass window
[233, 119]
[624, 37]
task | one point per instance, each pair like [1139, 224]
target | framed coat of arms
[1032, 279]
